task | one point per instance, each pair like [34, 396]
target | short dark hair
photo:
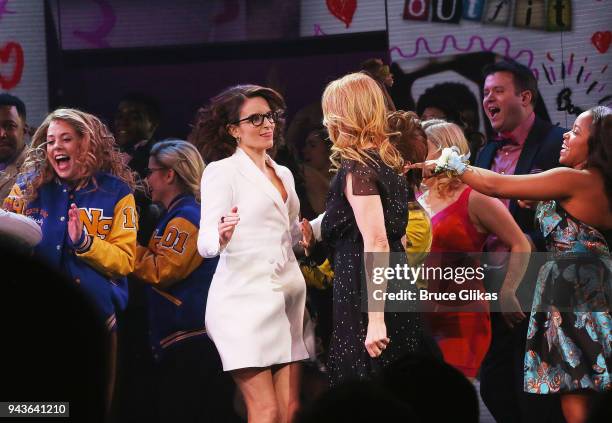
[524, 79]
[10, 100]
[150, 105]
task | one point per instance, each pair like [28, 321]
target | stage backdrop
[566, 44]
[23, 55]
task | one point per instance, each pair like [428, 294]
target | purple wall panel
[182, 88]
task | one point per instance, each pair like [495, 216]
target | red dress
[463, 336]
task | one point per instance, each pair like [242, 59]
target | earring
[237, 140]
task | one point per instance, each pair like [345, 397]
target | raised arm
[173, 258]
[216, 201]
[115, 255]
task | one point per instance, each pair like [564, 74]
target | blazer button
[77, 280]
[62, 219]
[58, 247]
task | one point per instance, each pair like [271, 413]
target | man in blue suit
[524, 144]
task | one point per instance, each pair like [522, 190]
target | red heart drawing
[343, 10]
[601, 40]
[5, 55]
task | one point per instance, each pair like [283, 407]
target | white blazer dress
[256, 301]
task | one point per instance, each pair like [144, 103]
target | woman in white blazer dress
[255, 307]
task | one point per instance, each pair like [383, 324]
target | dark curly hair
[600, 146]
[410, 140]
[209, 131]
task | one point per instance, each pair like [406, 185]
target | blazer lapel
[531, 148]
[486, 155]
[528, 154]
[257, 177]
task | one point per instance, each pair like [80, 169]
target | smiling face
[576, 142]
[505, 107]
[157, 181]
[63, 150]
[255, 138]
[12, 133]
[132, 124]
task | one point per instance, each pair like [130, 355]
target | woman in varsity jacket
[75, 186]
[178, 278]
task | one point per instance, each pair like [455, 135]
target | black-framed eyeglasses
[257, 119]
[149, 171]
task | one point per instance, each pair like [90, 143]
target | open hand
[511, 308]
[227, 224]
[75, 226]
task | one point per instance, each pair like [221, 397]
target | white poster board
[575, 60]
[23, 55]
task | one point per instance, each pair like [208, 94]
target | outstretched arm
[557, 183]
[553, 184]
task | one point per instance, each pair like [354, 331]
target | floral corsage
[451, 162]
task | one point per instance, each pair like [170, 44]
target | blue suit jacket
[540, 151]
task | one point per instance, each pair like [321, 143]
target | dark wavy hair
[411, 141]
[209, 131]
[600, 146]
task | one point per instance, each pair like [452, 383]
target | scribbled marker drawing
[422, 42]
[3, 10]
[97, 36]
[593, 85]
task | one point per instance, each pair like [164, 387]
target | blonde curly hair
[355, 115]
[97, 152]
[444, 134]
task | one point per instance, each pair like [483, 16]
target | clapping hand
[75, 226]
[227, 224]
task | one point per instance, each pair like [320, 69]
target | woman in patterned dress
[569, 341]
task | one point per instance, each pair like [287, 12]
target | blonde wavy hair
[355, 116]
[97, 152]
[444, 134]
[186, 161]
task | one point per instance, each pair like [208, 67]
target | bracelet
[451, 162]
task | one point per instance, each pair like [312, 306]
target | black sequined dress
[348, 358]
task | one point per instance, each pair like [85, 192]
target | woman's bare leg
[575, 407]
[257, 388]
[287, 379]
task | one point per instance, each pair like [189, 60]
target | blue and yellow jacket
[107, 210]
[178, 277]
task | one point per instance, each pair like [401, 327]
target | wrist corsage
[451, 162]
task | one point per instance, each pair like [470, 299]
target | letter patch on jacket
[95, 222]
